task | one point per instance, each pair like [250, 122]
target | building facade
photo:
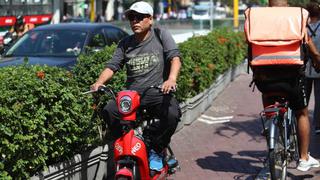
[109, 9]
[25, 7]
[34, 11]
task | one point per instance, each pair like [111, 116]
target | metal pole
[92, 10]
[169, 8]
[235, 14]
[211, 15]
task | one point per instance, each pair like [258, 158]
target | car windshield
[57, 43]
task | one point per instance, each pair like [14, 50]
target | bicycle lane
[234, 149]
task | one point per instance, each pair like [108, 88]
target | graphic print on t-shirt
[142, 64]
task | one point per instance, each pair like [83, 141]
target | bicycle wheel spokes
[275, 165]
[278, 158]
[278, 165]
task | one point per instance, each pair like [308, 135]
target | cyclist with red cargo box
[278, 43]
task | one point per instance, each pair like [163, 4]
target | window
[113, 35]
[97, 41]
[17, 2]
[25, 7]
[58, 43]
[4, 2]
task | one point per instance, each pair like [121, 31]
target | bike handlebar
[102, 89]
[106, 89]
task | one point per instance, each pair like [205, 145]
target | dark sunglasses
[138, 17]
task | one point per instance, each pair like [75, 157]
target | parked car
[61, 44]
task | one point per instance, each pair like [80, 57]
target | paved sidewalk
[229, 150]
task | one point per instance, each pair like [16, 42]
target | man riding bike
[17, 30]
[20, 27]
[291, 81]
[151, 58]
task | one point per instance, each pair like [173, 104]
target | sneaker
[317, 130]
[155, 161]
[306, 165]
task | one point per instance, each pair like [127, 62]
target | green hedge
[205, 57]
[44, 118]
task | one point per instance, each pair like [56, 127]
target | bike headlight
[125, 104]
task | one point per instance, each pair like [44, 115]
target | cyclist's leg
[111, 116]
[298, 102]
[303, 131]
[169, 113]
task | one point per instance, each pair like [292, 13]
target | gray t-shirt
[146, 62]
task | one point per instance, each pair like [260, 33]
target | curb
[192, 108]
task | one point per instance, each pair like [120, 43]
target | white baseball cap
[140, 7]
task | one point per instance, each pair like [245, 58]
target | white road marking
[214, 120]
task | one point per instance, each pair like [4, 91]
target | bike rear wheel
[277, 158]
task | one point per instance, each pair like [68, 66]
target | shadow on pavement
[251, 127]
[247, 164]
[299, 177]
[217, 163]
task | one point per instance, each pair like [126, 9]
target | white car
[203, 12]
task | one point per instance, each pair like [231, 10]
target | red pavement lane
[231, 150]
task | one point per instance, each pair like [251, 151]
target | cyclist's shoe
[155, 161]
[306, 165]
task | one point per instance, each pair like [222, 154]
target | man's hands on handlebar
[168, 85]
[95, 86]
[105, 76]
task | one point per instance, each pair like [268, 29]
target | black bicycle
[280, 130]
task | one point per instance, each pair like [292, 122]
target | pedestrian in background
[312, 77]
[99, 19]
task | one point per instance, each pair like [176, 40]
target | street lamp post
[169, 8]
[211, 15]
[235, 14]
[92, 10]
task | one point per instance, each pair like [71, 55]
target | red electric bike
[131, 149]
